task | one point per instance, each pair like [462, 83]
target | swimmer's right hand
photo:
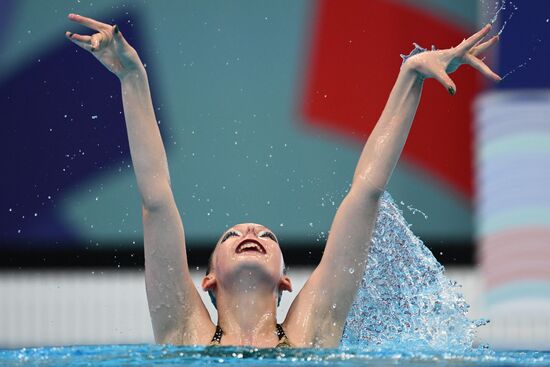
[108, 46]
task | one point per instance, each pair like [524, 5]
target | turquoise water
[407, 312]
[405, 297]
[155, 355]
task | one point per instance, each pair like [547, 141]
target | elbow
[157, 197]
[365, 188]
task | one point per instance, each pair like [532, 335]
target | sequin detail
[284, 342]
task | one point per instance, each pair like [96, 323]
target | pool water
[406, 312]
[405, 297]
[157, 355]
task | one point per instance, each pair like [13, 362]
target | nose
[250, 230]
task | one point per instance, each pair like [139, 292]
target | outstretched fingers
[89, 22]
[467, 44]
[482, 47]
[78, 37]
[83, 41]
[481, 67]
[89, 43]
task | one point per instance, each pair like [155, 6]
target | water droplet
[404, 290]
[351, 270]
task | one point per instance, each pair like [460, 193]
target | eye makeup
[233, 232]
[268, 234]
[230, 233]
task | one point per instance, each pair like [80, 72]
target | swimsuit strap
[217, 338]
[283, 339]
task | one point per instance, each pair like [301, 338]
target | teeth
[249, 245]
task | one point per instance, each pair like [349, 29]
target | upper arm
[323, 303]
[177, 311]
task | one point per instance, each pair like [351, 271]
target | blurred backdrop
[263, 107]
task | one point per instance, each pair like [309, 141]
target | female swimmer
[246, 273]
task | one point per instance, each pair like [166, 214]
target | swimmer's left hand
[107, 45]
[439, 63]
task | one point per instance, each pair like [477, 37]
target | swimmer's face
[248, 246]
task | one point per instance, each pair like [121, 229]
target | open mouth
[250, 246]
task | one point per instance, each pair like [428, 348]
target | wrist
[411, 71]
[135, 76]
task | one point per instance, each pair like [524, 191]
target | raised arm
[329, 293]
[174, 303]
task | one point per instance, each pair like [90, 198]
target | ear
[208, 282]
[285, 284]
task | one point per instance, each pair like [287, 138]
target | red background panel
[353, 65]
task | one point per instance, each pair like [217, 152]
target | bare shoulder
[311, 321]
[318, 313]
[178, 314]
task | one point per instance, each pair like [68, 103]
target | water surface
[157, 355]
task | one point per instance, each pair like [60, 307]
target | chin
[253, 266]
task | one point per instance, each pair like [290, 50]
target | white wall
[81, 307]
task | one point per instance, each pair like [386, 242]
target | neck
[247, 310]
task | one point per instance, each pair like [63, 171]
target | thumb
[446, 81]
[120, 41]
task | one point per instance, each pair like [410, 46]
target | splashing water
[407, 313]
[500, 7]
[518, 67]
[405, 300]
[415, 210]
[505, 21]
